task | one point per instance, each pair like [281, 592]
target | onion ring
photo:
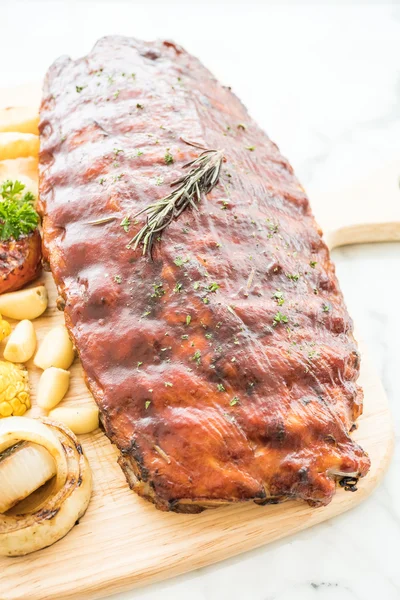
[68, 501]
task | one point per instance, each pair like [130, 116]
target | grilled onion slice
[23, 469]
[21, 429]
[68, 499]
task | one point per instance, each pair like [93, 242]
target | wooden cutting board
[123, 541]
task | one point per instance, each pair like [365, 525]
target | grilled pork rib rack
[223, 363]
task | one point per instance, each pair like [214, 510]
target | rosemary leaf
[201, 178]
[102, 221]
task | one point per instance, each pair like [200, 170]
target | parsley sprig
[17, 215]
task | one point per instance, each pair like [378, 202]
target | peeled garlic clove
[24, 304]
[83, 419]
[21, 344]
[52, 387]
[55, 350]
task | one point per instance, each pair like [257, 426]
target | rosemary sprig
[102, 221]
[202, 177]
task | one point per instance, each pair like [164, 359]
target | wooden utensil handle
[367, 211]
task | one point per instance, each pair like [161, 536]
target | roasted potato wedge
[16, 145]
[24, 119]
[20, 261]
[20, 168]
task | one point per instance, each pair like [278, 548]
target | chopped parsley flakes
[279, 318]
[179, 262]
[168, 158]
[178, 288]
[125, 223]
[278, 295]
[197, 356]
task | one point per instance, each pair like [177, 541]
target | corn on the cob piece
[14, 390]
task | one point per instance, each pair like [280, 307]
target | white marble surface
[324, 81]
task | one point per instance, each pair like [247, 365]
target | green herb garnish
[168, 158]
[13, 191]
[125, 223]
[273, 227]
[201, 179]
[197, 356]
[293, 277]
[279, 318]
[235, 400]
[17, 215]
[278, 295]
[158, 290]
